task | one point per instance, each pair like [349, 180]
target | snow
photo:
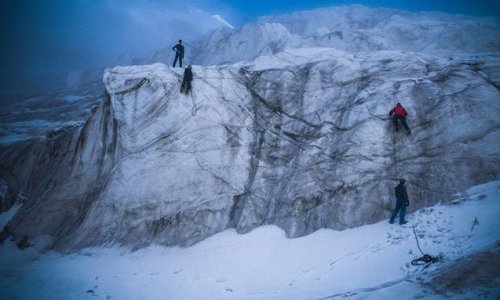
[353, 29]
[368, 262]
[223, 21]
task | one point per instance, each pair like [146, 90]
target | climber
[186, 80]
[399, 113]
[179, 53]
[401, 203]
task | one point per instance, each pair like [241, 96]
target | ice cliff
[301, 139]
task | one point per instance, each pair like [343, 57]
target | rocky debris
[479, 271]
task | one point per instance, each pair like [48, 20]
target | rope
[426, 259]
[394, 155]
[418, 244]
[394, 142]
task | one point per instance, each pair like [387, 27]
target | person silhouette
[186, 80]
[399, 113]
[401, 202]
[179, 53]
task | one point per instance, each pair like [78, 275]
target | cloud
[45, 40]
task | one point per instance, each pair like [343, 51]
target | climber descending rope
[398, 114]
[186, 80]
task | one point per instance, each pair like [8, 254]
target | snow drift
[301, 140]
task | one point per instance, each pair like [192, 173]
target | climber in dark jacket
[401, 202]
[399, 113]
[179, 53]
[186, 80]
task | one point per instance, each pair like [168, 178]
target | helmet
[402, 181]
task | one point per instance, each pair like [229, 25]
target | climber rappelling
[399, 113]
[186, 80]
[401, 202]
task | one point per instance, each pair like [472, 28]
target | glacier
[300, 139]
[353, 28]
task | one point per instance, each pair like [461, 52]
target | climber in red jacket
[399, 113]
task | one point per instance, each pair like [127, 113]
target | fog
[49, 45]
[52, 45]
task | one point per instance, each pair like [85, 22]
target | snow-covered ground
[368, 262]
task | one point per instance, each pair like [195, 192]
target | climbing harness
[426, 259]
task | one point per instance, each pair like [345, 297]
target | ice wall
[301, 139]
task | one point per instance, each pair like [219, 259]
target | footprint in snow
[307, 271]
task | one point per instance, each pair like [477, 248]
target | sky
[239, 12]
[44, 42]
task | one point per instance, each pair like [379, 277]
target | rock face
[301, 139]
[353, 28]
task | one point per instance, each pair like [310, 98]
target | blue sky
[50, 38]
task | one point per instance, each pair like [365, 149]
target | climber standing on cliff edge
[401, 202]
[399, 113]
[179, 53]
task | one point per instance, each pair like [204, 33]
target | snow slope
[368, 262]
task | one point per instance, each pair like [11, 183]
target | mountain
[353, 28]
[301, 140]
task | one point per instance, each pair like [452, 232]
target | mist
[53, 45]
